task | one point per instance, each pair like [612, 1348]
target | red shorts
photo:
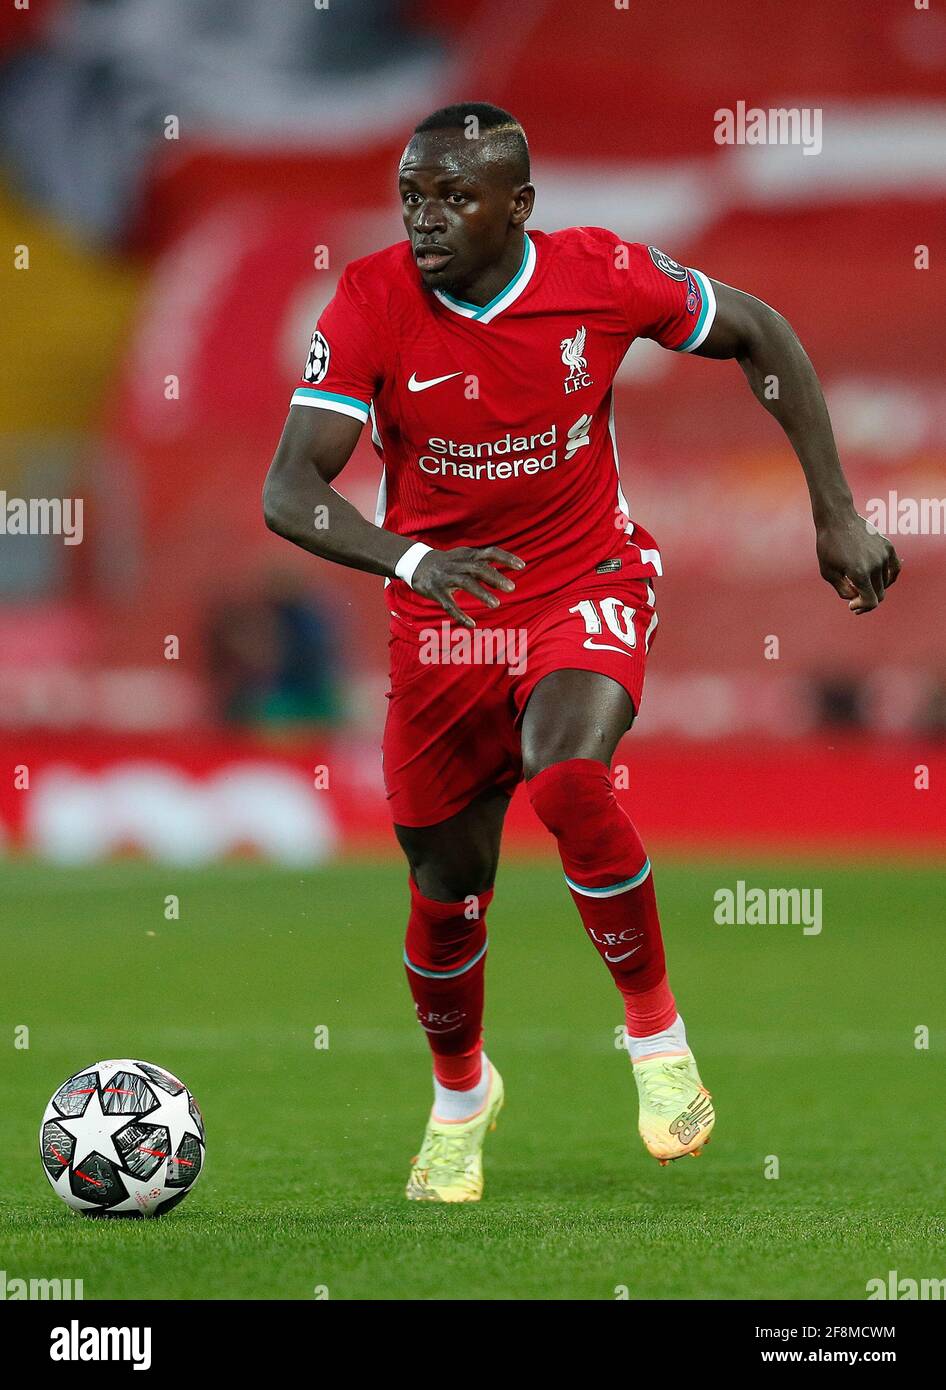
[457, 696]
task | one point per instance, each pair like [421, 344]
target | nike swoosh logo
[604, 647]
[614, 959]
[415, 385]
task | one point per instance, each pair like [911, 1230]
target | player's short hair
[499, 123]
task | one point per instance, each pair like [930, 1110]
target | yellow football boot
[676, 1109]
[449, 1167]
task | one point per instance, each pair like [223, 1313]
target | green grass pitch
[808, 1043]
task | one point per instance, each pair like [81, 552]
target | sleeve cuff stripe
[326, 400]
[707, 314]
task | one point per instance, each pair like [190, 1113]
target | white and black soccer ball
[316, 364]
[122, 1138]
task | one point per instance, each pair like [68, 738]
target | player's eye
[456, 198]
[411, 199]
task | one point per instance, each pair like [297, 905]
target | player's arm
[858, 562]
[300, 504]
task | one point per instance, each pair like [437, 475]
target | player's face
[458, 207]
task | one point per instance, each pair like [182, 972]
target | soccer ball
[122, 1138]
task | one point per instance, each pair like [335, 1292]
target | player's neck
[494, 279]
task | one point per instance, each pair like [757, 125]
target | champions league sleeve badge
[667, 264]
[316, 364]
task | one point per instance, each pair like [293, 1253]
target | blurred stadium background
[190, 177]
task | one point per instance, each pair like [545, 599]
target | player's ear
[523, 201]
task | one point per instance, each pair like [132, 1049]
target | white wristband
[405, 567]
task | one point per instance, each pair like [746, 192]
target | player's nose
[429, 219]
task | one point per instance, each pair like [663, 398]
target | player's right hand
[442, 572]
[856, 560]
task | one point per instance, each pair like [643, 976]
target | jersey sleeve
[662, 299]
[344, 366]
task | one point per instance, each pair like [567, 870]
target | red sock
[608, 872]
[445, 956]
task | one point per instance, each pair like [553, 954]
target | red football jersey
[495, 424]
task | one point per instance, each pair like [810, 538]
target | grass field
[807, 1043]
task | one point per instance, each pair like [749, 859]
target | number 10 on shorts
[610, 613]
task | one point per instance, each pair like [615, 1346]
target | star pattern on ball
[93, 1132]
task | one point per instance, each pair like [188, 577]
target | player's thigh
[459, 855]
[573, 714]
[450, 734]
[587, 654]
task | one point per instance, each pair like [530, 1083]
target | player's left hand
[856, 560]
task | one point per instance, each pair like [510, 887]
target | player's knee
[449, 881]
[451, 887]
[453, 861]
[551, 748]
[572, 797]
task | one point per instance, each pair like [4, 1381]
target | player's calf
[445, 958]
[609, 875]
